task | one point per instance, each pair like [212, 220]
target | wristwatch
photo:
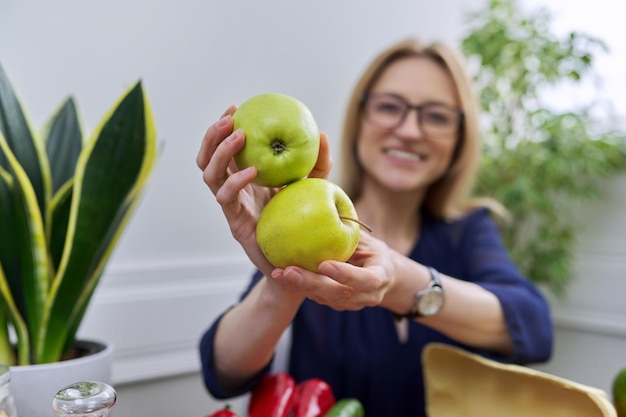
[428, 301]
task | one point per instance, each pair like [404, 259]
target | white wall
[177, 265]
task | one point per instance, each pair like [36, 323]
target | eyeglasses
[388, 111]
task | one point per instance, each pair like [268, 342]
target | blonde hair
[449, 197]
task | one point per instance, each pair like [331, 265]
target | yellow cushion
[462, 384]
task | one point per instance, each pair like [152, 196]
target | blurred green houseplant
[539, 162]
[64, 203]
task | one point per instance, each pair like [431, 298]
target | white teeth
[403, 155]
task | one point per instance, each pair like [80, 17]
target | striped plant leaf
[8, 310]
[10, 313]
[64, 140]
[111, 173]
[24, 258]
[59, 207]
[23, 143]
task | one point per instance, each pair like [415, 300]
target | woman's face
[404, 158]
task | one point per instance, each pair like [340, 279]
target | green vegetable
[619, 392]
[346, 407]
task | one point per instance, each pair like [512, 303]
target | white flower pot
[34, 386]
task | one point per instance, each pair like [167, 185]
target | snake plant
[65, 199]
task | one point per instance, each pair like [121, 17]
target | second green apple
[309, 221]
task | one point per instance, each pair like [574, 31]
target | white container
[34, 386]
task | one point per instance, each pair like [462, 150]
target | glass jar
[85, 399]
[7, 406]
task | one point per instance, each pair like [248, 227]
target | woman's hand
[241, 200]
[361, 282]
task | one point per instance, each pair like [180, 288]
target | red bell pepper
[315, 398]
[224, 412]
[274, 396]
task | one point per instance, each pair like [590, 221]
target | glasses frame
[407, 109]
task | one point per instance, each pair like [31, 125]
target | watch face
[431, 302]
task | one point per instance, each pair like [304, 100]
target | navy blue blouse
[358, 352]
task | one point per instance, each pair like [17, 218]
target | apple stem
[369, 229]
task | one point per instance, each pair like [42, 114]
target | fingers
[215, 158]
[226, 194]
[220, 166]
[363, 279]
[214, 135]
[324, 160]
[366, 248]
[355, 292]
[316, 287]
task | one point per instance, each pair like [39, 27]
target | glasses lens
[439, 120]
[384, 111]
[388, 112]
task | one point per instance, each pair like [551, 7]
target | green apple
[309, 221]
[619, 392]
[282, 138]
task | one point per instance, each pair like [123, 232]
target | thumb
[324, 160]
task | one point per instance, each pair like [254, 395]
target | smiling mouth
[407, 156]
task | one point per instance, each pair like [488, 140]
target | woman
[433, 270]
